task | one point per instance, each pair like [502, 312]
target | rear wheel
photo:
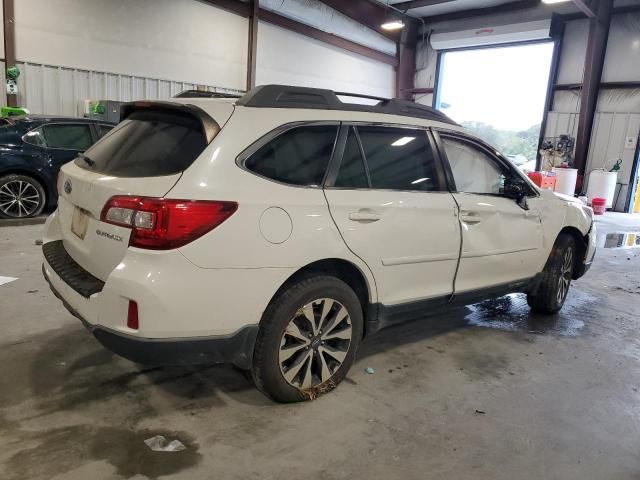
[21, 196]
[307, 340]
[556, 277]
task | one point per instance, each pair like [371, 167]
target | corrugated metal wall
[47, 89]
[612, 126]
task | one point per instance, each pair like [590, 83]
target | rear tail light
[132, 315]
[163, 223]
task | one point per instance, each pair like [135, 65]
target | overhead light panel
[555, 1]
[392, 24]
[420, 180]
[402, 141]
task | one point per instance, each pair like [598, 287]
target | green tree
[509, 142]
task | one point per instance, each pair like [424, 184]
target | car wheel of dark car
[21, 196]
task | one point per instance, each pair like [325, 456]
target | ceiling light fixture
[402, 141]
[392, 21]
[392, 24]
[555, 1]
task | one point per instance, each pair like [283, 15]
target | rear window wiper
[87, 160]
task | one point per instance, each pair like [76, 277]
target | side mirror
[517, 189]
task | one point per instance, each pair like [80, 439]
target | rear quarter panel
[240, 241]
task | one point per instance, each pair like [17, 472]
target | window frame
[499, 160]
[46, 124]
[336, 161]
[246, 154]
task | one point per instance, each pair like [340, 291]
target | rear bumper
[235, 348]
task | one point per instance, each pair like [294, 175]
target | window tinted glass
[147, 144]
[473, 170]
[74, 137]
[35, 137]
[103, 129]
[299, 156]
[352, 173]
[399, 158]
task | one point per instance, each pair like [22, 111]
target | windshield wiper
[87, 160]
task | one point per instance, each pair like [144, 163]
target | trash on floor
[159, 444]
[4, 280]
[369, 370]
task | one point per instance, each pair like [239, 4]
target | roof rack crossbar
[286, 96]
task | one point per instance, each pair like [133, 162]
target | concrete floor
[487, 392]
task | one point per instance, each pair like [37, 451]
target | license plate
[79, 223]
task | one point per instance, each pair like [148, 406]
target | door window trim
[336, 160]
[242, 158]
[502, 162]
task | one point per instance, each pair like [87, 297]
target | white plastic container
[566, 180]
[602, 184]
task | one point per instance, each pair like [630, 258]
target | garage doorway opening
[498, 92]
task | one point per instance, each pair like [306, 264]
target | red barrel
[599, 205]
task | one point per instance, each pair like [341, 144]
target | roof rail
[285, 96]
[205, 94]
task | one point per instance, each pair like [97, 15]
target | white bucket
[602, 184]
[566, 180]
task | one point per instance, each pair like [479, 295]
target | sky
[504, 87]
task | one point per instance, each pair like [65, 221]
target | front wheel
[308, 339]
[21, 196]
[556, 277]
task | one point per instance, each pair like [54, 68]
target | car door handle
[364, 216]
[470, 217]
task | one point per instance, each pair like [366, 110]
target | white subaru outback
[276, 230]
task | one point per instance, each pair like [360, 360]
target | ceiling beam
[303, 29]
[419, 4]
[478, 12]
[587, 7]
[369, 14]
[233, 6]
[247, 10]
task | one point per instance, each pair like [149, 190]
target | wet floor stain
[477, 364]
[67, 448]
[618, 240]
[511, 313]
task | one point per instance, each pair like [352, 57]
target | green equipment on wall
[13, 72]
[13, 111]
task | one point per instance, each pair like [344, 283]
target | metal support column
[593, 66]
[253, 44]
[406, 51]
[9, 43]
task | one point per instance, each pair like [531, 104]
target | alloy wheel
[19, 198]
[315, 343]
[566, 273]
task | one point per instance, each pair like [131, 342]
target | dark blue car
[32, 150]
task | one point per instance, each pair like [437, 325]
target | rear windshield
[147, 144]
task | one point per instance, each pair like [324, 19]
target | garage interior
[488, 391]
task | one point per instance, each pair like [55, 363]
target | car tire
[294, 358]
[556, 277]
[26, 193]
